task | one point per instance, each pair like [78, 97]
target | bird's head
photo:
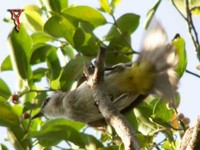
[52, 106]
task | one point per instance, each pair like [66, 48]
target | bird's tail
[154, 72]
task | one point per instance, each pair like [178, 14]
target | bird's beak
[39, 114]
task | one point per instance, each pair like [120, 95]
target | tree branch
[106, 107]
[191, 138]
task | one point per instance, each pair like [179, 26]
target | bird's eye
[45, 101]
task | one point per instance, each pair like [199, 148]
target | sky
[173, 23]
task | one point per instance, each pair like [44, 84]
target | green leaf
[85, 42]
[67, 50]
[3, 147]
[40, 37]
[86, 13]
[47, 53]
[105, 6]
[15, 136]
[72, 70]
[20, 45]
[114, 3]
[8, 117]
[127, 23]
[143, 113]
[179, 44]
[54, 132]
[33, 16]
[6, 64]
[168, 145]
[145, 141]
[151, 14]
[55, 5]
[117, 49]
[161, 111]
[161, 114]
[76, 125]
[58, 26]
[130, 116]
[38, 74]
[53, 64]
[181, 5]
[4, 90]
[196, 11]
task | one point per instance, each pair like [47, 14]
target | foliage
[54, 41]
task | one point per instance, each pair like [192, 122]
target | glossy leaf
[47, 53]
[60, 27]
[72, 70]
[86, 13]
[76, 125]
[67, 50]
[15, 136]
[20, 49]
[117, 50]
[40, 37]
[3, 147]
[53, 64]
[34, 17]
[38, 74]
[143, 113]
[54, 132]
[85, 42]
[8, 118]
[145, 141]
[6, 64]
[127, 23]
[4, 90]
[55, 5]
[105, 6]
[130, 116]
[115, 3]
[179, 44]
[151, 14]
[181, 5]
[196, 11]
[161, 111]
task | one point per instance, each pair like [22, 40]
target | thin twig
[192, 73]
[191, 26]
[123, 53]
[193, 8]
[178, 10]
[37, 91]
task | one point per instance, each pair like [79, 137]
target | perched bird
[152, 73]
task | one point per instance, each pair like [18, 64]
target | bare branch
[106, 107]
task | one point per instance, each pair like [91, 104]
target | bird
[153, 73]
